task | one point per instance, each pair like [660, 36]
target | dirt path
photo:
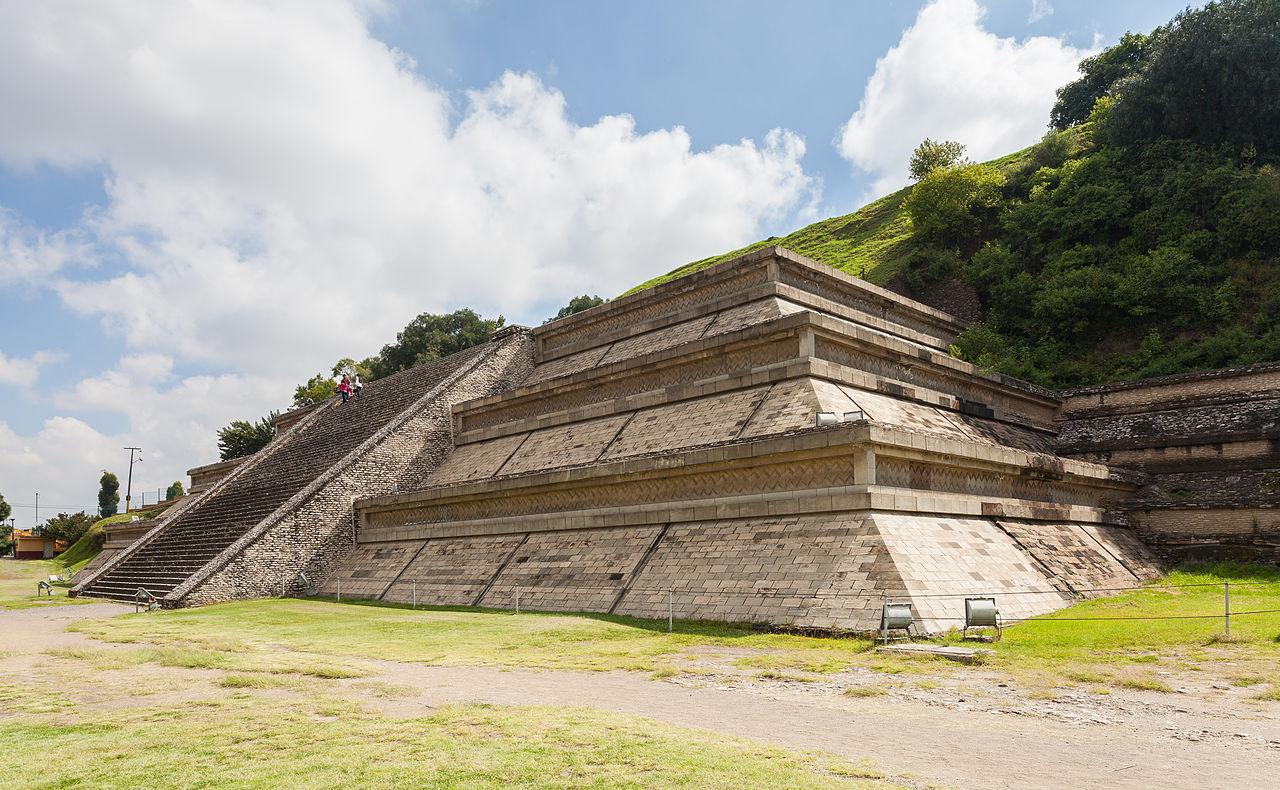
[40, 628]
[930, 743]
[926, 739]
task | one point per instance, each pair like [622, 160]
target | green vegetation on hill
[1142, 239]
[872, 243]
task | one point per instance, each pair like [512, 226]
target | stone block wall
[312, 533]
[1209, 446]
[827, 571]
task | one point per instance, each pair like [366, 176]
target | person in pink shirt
[344, 388]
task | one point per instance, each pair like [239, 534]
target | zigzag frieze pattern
[615, 325]
[899, 473]
[657, 340]
[686, 371]
[849, 297]
[918, 375]
[633, 490]
[566, 365]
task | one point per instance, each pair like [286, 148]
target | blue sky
[199, 208]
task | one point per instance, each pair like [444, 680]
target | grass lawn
[458, 637]
[307, 738]
[18, 580]
[1056, 647]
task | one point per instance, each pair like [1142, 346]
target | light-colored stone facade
[665, 452]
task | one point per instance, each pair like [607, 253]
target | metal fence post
[671, 594]
[884, 623]
[517, 599]
[415, 593]
[1226, 606]
[339, 589]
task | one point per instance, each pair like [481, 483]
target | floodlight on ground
[895, 616]
[981, 613]
[827, 418]
[855, 416]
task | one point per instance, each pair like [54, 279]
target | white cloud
[29, 254]
[23, 372]
[950, 79]
[1040, 9]
[173, 419]
[284, 190]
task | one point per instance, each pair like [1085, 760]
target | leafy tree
[1212, 75]
[317, 388]
[241, 437]
[6, 533]
[932, 155]
[175, 490]
[108, 494]
[576, 305]
[67, 527]
[1099, 76]
[952, 206]
[431, 336]
[321, 387]
[350, 367]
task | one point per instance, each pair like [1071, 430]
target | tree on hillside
[175, 490]
[1099, 75]
[349, 367]
[321, 387]
[952, 206]
[431, 336]
[932, 155]
[108, 494]
[1212, 75]
[576, 305]
[241, 437]
[68, 527]
[317, 388]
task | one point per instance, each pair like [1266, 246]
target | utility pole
[37, 521]
[128, 491]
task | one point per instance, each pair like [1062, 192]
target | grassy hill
[1140, 238]
[874, 243]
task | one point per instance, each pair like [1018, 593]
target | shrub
[953, 206]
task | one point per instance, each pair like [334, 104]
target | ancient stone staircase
[184, 544]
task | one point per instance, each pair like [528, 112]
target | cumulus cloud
[173, 418]
[285, 190]
[949, 78]
[24, 371]
[1040, 9]
[30, 254]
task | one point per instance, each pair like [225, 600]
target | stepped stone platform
[1209, 447]
[766, 441]
[667, 450]
[283, 516]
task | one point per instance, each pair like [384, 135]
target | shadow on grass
[703, 628]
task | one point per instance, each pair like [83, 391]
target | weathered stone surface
[662, 452]
[1209, 444]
